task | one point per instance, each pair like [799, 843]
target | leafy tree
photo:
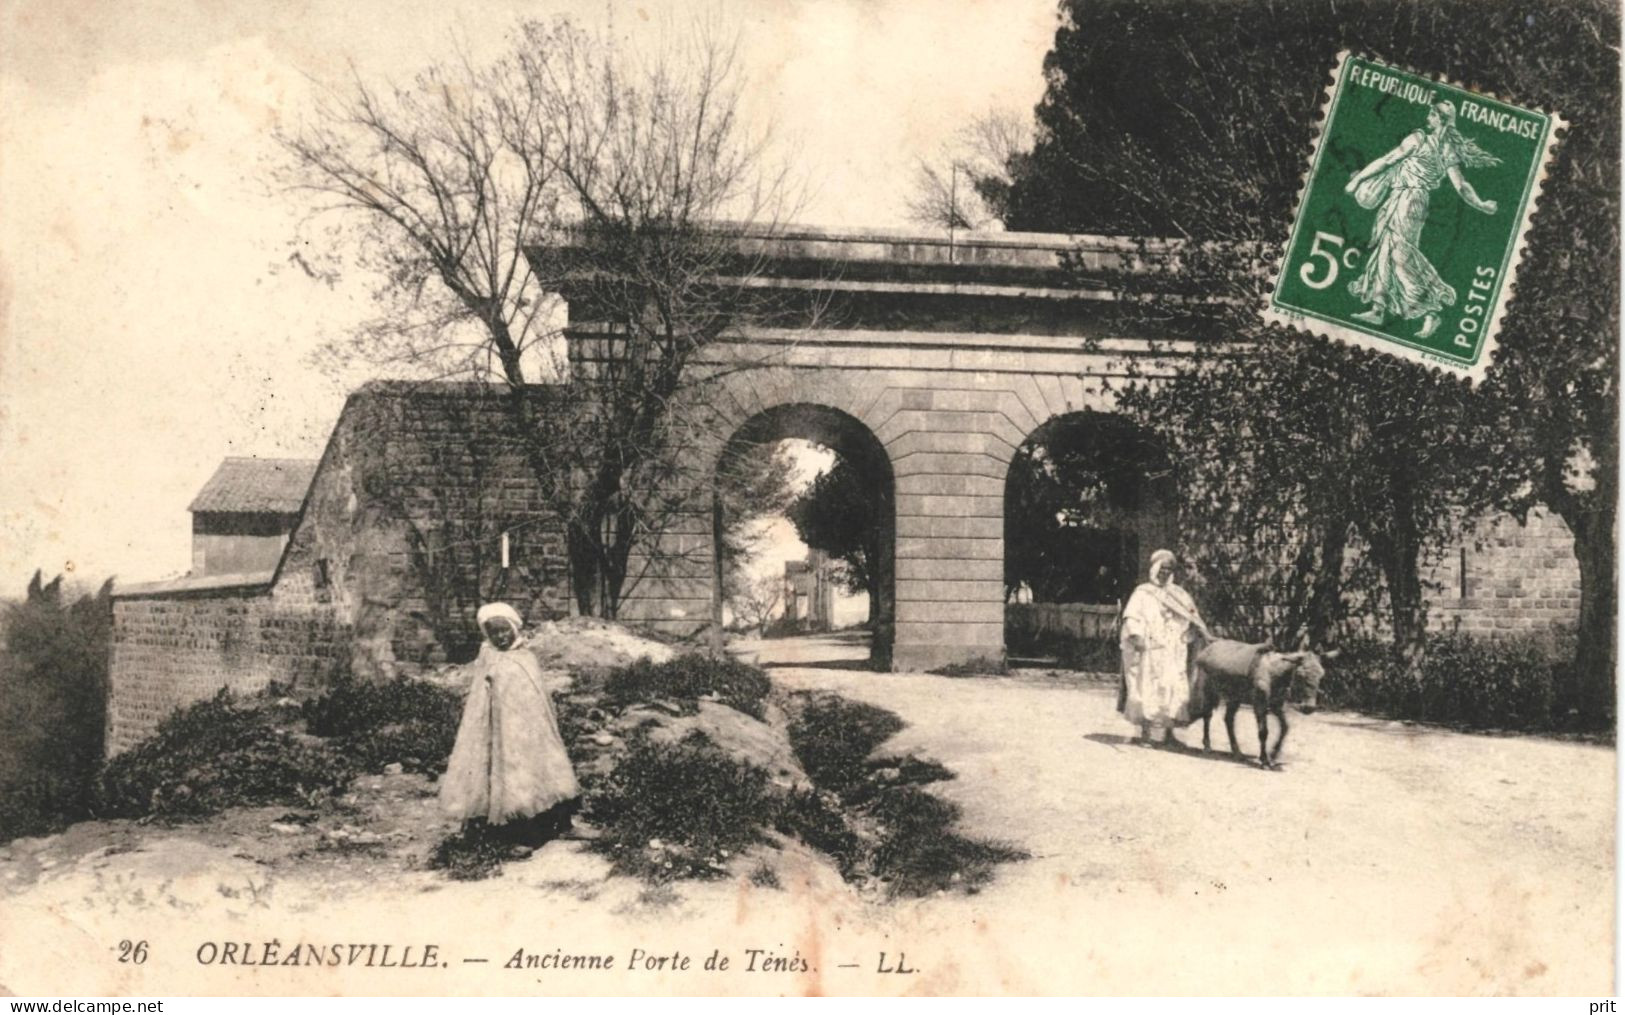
[1084, 493]
[1160, 120]
[479, 192]
[840, 513]
[53, 703]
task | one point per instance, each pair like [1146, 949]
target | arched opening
[856, 515]
[1088, 497]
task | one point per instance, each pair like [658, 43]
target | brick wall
[176, 644]
[399, 543]
[1518, 579]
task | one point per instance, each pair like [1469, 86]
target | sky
[150, 323]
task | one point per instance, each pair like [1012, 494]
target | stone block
[953, 526]
[987, 568]
[950, 484]
[938, 548]
[980, 635]
[950, 462]
[991, 506]
[985, 592]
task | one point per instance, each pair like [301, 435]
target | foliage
[1512, 683]
[981, 666]
[966, 184]
[919, 852]
[473, 853]
[219, 753]
[833, 738]
[755, 599]
[1085, 493]
[751, 485]
[374, 724]
[679, 810]
[869, 815]
[479, 193]
[841, 513]
[688, 678]
[1291, 450]
[53, 694]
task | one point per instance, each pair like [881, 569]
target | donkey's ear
[1303, 642]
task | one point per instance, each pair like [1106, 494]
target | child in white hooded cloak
[508, 766]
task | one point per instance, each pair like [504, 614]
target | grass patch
[919, 853]
[222, 753]
[980, 666]
[833, 738]
[681, 810]
[409, 722]
[869, 815]
[817, 819]
[474, 853]
[685, 680]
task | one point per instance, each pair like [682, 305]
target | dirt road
[1383, 859]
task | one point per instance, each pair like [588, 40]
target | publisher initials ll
[901, 967]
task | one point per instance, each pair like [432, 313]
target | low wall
[1029, 625]
[176, 643]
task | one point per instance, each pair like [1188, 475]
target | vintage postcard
[555, 497]
[1381, 253]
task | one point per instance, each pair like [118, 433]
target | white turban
[499, 611]
[1162, 557]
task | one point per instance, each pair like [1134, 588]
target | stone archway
[1088, 497]
[851, 439]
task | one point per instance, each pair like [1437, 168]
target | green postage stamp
[1410, 225]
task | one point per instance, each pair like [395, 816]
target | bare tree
[481, 193]
[964, 186]
[755, 600]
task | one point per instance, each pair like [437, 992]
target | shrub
[473, 853]
[816, 819]
[410, 722]
[919, 853]
[981, 666]
[40, 803]
[53, 693]
[216, 754]
[1501, 683]
[679, 810]
[686, 679]
[833, 738]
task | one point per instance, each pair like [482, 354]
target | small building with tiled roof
[243, 516]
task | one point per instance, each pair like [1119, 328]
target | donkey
[1239, 673]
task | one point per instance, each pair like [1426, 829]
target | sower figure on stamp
[1398, 277]
[1161, 633]
[508, 767]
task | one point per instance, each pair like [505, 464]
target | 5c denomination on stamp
[1411, 222]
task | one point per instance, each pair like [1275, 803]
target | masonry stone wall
[399, 542]
[174, 648]
[1518, 578]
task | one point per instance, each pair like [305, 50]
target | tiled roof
[270, 485]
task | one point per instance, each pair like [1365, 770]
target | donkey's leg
[1230, 710]
[1262, 713]
[1280, 715]
[1207, 720]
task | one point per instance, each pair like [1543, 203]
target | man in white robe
[1160, 624]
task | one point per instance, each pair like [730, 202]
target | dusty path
[1385, 857]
